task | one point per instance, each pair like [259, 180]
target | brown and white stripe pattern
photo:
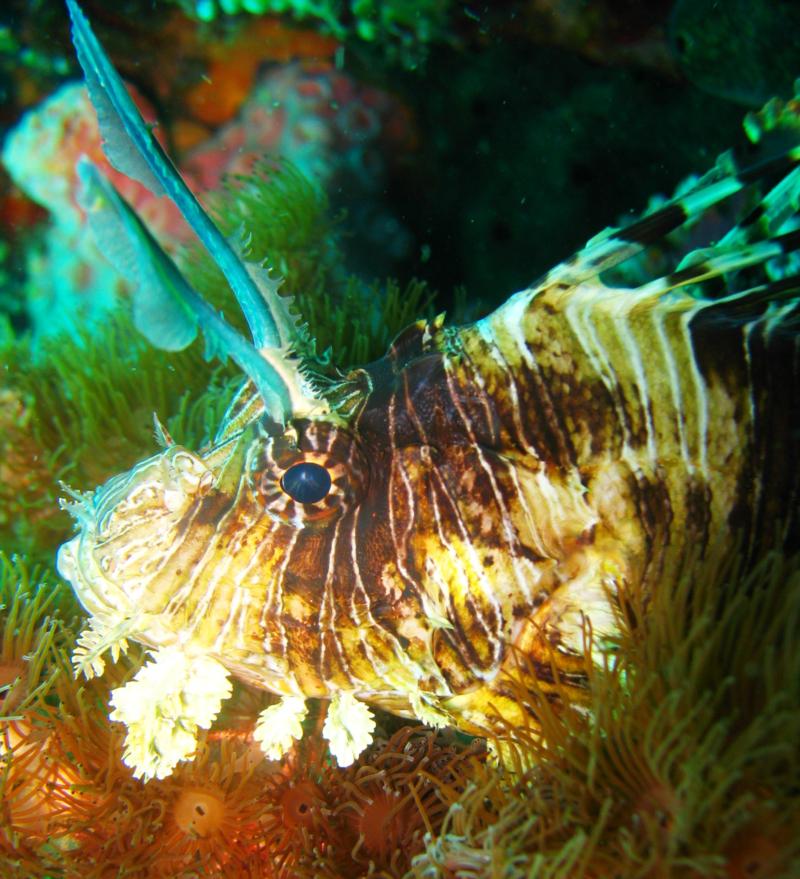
[492, 486]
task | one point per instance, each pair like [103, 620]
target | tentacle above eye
[167, 310]
[131, 148]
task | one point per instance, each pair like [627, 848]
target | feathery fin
[132, 149]
[166, 309]
[614, 246]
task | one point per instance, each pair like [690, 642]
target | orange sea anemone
[203, 820]
[43, 794]
[295, 824]
[397, 792]
[212, 809]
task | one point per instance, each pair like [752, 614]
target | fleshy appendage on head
[128, 530]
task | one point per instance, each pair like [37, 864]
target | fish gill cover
[558, 540]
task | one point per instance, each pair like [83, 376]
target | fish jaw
[126, 529]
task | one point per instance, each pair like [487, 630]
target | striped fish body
[496, 490]
[494, 486]
[485, 500]
[578, 445]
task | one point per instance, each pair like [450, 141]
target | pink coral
[332, 127]
[41, 153]
[320, 118]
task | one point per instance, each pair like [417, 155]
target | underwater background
[393, 160]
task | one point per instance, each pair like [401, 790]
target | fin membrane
[131, 148]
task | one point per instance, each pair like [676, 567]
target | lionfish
[411, 534]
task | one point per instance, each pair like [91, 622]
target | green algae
[78, 409]
[403, 28]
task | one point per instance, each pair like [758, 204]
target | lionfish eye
[306, 483]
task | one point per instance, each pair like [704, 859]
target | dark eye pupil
[306, 483]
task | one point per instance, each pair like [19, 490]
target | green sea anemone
[30, 632]
[685, 764]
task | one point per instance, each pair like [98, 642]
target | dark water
[513, 137]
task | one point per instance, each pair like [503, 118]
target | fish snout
[129, 527]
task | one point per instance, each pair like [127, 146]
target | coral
[329, 125]
[40, 786]
[204, 820]
[69, 284]
[41, 152]
[367, 819]
[33, 635]
[405, 28]
[233, 66]
[18, 213]
[72, 808]
[397, 793]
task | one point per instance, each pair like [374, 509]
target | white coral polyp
[348, 727]
[163, 706]
[279, 725]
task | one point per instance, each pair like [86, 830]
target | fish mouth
[76, 560]
[126, 528]
[97, 594]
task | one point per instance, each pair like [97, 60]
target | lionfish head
[127, 528]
